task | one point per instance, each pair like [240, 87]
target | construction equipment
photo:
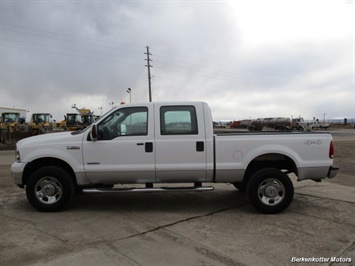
[87, 117]
[77, 121]
[71, 122]
[12, 127]
[40, 123]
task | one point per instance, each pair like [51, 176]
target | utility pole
[149, 77]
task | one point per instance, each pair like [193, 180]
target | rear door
[180, 143]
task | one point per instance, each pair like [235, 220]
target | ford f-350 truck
[159, 143]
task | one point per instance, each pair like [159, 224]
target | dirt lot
[211, 228]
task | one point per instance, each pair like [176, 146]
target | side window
[124, 122]
[178, 120]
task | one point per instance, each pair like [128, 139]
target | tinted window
[178, 120]
[124, 122]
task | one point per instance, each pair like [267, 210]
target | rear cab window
[178, 120]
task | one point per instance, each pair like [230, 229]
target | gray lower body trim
[314, 173]
[81, 179]
[17, 177]
[333, 171]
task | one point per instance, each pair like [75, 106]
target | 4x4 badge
[310, 142]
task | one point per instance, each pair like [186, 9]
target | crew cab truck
[159, 143]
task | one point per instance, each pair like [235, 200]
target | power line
[217, 74]
[69, 49]
[203, 65]
[65, 54]
[191, 64]
[73, 41]
[68, 35]
[182, 63]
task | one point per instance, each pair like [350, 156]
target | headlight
[17, 156]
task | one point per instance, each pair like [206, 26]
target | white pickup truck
[157, 143]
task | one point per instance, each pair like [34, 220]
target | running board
[152, 189]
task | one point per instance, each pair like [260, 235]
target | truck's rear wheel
[270, 190]
[50, 189]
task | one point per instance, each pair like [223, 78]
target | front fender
[66, 153]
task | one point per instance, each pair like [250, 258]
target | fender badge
[73, 147]
[310, 142]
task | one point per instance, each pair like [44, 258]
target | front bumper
[333, 171]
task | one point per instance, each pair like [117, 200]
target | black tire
[270, 190]
[240, 186]
[50, 189]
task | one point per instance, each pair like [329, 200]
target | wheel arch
[38, 163]
[270, 160]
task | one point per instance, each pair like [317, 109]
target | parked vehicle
[300, 125]
[40, 123]
[77, 121]
[12, 127]
[316, 124]
[241, 123]
[87, 117]
[71, 122]
[277, 123]
[157, 143]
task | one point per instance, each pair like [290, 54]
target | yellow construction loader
[40, 123]
[12, 127]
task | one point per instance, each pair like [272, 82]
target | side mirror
[93, 133]
[122, 129]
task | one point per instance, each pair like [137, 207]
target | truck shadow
[159, 201]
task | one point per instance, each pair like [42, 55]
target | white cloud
[279, 22]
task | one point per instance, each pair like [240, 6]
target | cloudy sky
[247, 58]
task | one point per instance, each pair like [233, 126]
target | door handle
[149, 147]
[200, 146]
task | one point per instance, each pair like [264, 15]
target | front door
[123, 151]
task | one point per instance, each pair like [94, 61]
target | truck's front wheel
[50, 188]
[270, 190]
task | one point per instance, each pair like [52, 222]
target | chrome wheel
[271, 192]
[48, 190]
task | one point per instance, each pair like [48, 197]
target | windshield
[9, 118]
[41, 118]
